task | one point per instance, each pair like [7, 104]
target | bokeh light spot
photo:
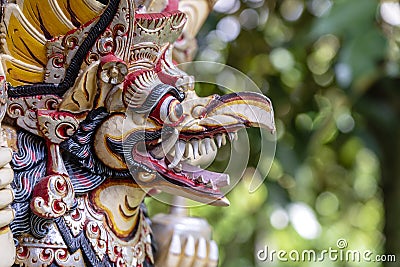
[227, 6]
[304, 122]
[291, 10]
[249, 19]
[344, 74]
[327, 203]
[320, 7]
[228, 28]
[304, 220]
[345, 123]
[279, 218]
[282, 59]
[390, 12]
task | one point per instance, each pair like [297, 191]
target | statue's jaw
[173, 156]
[181, 178]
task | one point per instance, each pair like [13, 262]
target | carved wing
[27, 25]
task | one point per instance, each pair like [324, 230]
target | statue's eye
[169, 110]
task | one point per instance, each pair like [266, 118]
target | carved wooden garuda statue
[97, 115]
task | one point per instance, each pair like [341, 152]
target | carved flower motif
[113, 72]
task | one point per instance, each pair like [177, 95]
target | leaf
[363, 44]
[362, 53]
[346, 18]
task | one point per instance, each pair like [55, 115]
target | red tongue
[219, 179]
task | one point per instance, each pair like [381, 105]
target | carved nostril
[198, 112]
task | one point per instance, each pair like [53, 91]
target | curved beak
[246, 108]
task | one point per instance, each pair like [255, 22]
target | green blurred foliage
[316, 60]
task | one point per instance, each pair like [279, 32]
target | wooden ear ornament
[112, 70]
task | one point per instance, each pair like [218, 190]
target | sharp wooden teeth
[161, 150]
[210, 184]
[207, 144]
[195, 145]
[179, 151]
[200, 179]
[231, 136]
[178, 168]
[213, 145]
[188, 149]
[213, 185]
[218, 138]
[203, 149]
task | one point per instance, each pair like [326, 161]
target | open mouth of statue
[177, 164]
[175, 159]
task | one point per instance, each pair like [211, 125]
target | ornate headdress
[47, 41]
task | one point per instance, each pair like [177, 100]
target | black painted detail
[126, 148]
[155, 96]
[81, 242]
[73, 18]
[73, 69]
[86, 171]
[29, 165]
[39, 226]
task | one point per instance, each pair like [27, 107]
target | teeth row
[197, 147]
[200, 180]
[166, 146]
[179, 151]
[232, 136]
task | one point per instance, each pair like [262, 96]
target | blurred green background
[331, 69]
